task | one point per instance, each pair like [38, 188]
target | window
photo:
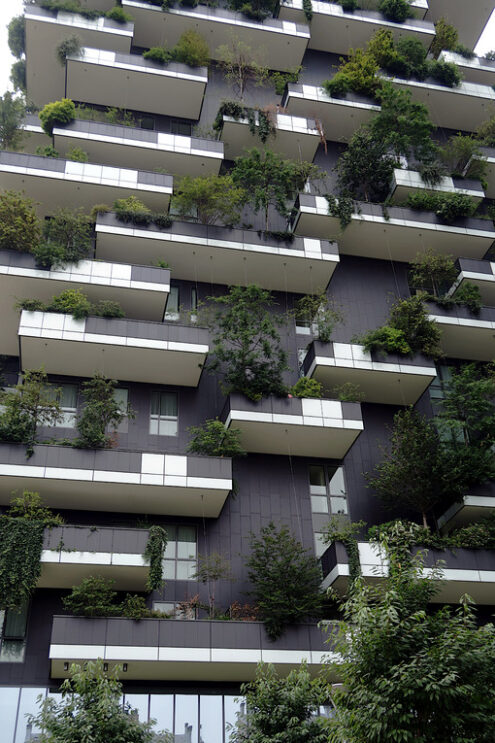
[181, 553]
[164, 418]
[438, 390]
[194, 304]
[121, 397]
[66, 395]
[172, 307]
[182, 128]
[13, 635]
[327, 489]
[172, 608]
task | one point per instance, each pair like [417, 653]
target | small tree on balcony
[246, 342]
[241, 64]
[432, 273]
[20, 228]
[365, 169]
[91, 709]
[101, 412]
[210, 199]
[12, 113]
[214, 440]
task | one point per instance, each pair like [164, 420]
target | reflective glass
[338, 505]
[319, 504]
[28, 706]
[162, 710]
[186, 718]
[317, 475]
[138, 702]
[337, 484]
[210, 718]
[185, 570]
[232, 710]
[9, 697]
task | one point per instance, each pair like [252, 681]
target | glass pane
[12, 651]
[121, 397]
[168, 404]
[186, 718]
[211, 719]
[172, 307]
[186, 548]
[169, 569]
[15, 624]
[167, 427]
[233, 708]
[155, 403]
[171, 543]
[319, 504]
[194, 298]
[320, 545]
[162, 710]
[138, 702]
[68, 397]
[316, 475]
[9, 696]
[167, 607]
[338, 505]
[337, 483]
[185, 569]
[28, 706]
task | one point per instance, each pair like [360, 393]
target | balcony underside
[489, 157]
[237, 139]
[484, 281]
[469, 20]
[132, 86]
[219, 261]
[475, 70]
[61, 569]
[406, 182]
[473, 340]
[280, 48]
[472, 508]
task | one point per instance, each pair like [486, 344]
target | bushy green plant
[192, 49]
[320, 310]
[447, 206]
[107, 308]
[349, 5]
[348, 392]
[359, 73]
[158, 54]
[134, 607]
[280, 79]
[17, 36]
[78, 155]
[131, 209]
[459, 153]
[21, 543]
[70, 231]
[432, 172]
[93, 597]
[58, 113]
[365, 168]
[307, 6]
[337, 87]
[12, 113]
[18, 75]
[342, 208]
[212, 439]
[47, 151]
[385, 340]
[234, 109]
[306, 387]
[464, 51]
[210, 198]
[70, 47]
[119, 15]
[29, 506]
[469, 295]
[285, 579]
[20, 227]
[155, 552]
[395, 10]
[432, 273]
[246, 342]
[445, 73]
[486, 132]
[100, 413]
[446, 38]
[71, 302]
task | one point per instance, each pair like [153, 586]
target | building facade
[305, 457]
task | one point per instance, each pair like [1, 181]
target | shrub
[162, 221]
[101, 411]
[68, 236]
[432, 273]
[192, 49]
[385, 340]
[48, 151]
[228, 108]
[445, 73]
[348, 392]
[134, 607]
[318, 309]
[119, 15]
[154, 553]
[486, 132]
[158, 54]
[337, 87]
[464, 51]
[349, 5]
[18, 75]
[458, 155]
[448, 207]
[411, 317]
[76, 154]
[29, 506]
[395, 10]
[342, 208]
[280, 79]
[57, 113]
[211, 198]
[365, 168]
[470, 296]
[93, 597]
[132, 210]
[212, 439]
[71, 302]
[70, 47]
[47, 256]
[17, 36]
[20, 228]
[446, 38]
[107, 308]
[432, 173]
[306, 387]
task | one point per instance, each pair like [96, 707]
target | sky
[11, 8]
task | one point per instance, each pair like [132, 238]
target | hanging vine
[155, 552]
[21, 543]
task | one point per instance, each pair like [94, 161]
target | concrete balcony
[130, 147]
[339, 117]
[420, 7]
[282, 42]
[488, 155]
[393, 380]
[128, 350]
[163, 649]
[476, 70]
[480, 502]
[296, 427]
[335, 30]
[110, 78]
[462, 108]
[72, 553]
[294, 134]
[141, 291]
[399, 237]
[463, 570]
[120, 481]
[468, 19]
[405, 182]
[97, 4]
[221, 255]
[46, 29]
[53, 183]
[480, 273]
[464, 335]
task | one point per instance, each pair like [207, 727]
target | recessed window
[437, 390]
[13, 635]
[180, 561]
[66, 395]
[121, 397]
[327, 489]
[163, 416]
[172, 307]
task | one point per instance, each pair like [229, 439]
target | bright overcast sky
[11, 8]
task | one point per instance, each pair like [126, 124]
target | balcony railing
[129, 350]
[405, 182]
[465, 335]
[186, 650]
[480, 273]
[292, 134]
[297, 427]
[476, 70]
[396, 380]
[221, 255]
[121, 481]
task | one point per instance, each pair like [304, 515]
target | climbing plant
[154, 552]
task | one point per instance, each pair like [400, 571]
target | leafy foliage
[212, 439]
[241, 65]
[29, 506]
[346, 532]
[342, 208]
[159, 54]
[210, 198]
[93, 597]
[285, 577]
[77, 155]
[21, 542]
[20, 228]
[446, 38]
[211, 569]
[155, 552]
[348, 392]
[18, 75]
[254, 9]
[67, 239]
[402, 533]
[306, 387]
[447, 206]
[281, 79]
[366, 168]
[101, 411]
[395, 10]
[192, 49]
[432, 273]
[69, 47]
[92, 701]
[321, 311]
[12, 113]
[246, 343]
[57, 113]
[119, 15]
[282, 709]
[73, 302]
[461, 157]
[17, 36]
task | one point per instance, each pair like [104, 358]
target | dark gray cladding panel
[96, 539]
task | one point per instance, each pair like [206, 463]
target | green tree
[12, 113]
[91, 705]
[319, 310]
[210, 198]
[285, 578]
[69, 47]
[271, 181]
[17, 36]
[57, 113]
[214, 440]
[468, 404]
[282, 710]
[365, 168]
[432, 273]
[211, 569]
[411, 673]
[93, 597]
[192, 49]
[446, 38]
[101, 411]
[18, 75]
[246, 342]
[20, 228]
[68, 233]
[241, 64]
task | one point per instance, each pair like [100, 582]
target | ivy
[346, 532]
[21, 543]
[342, 208]
[154, 552]
[259, 120]
[308, 9]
